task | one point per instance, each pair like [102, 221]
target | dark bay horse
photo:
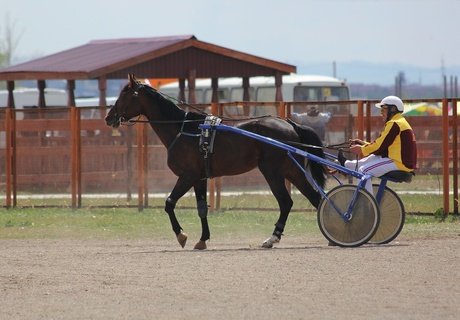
[233, 154]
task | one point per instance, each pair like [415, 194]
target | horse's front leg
[181, 187]
[202, 206]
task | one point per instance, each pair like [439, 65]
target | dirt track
[146, 279]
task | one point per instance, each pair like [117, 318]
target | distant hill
[410, 91]
[374, 81]
[380, 74]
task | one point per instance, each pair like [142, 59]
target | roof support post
[278, 84]
[102, 85]
[70, 93]
[41, 84]
[246, 95]
[191, 86]
[10, 87]
[181, 96]
[214, 87]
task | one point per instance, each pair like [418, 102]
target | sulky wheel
[392, 216]
[356, 230]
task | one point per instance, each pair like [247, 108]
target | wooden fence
[71, 150]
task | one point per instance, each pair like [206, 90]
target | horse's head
[127, 105]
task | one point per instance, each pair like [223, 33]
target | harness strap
[183, 133]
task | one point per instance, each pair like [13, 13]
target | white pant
[373, 165]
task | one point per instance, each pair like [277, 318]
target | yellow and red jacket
[397, 142]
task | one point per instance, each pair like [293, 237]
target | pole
[368, 121]
[140, 167]
[455, 153]
[73, 148]
[445, 155]
[9, 155]
[360, 120]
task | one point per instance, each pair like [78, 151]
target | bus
[295, 88]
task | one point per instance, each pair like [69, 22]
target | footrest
[398, 176]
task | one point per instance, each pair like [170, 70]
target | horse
[232, 154]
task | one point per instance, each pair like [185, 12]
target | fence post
[129, 162]
[282, 110]
[360, 119]
[212, 182]
[140, 167]
[146, 165]
[78, 149]
[368, 121]
[75, 182]
[73, 157]
[455, 153]
[445, 155]
[212, 193]
[9, 155]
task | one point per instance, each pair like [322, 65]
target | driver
[394, 149]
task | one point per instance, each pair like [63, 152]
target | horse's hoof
[200, 245]
[182, 239]
[268, 244]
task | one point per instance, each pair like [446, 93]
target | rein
[133, 121]
[339, 146]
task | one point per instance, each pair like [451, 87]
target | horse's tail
[309, 137]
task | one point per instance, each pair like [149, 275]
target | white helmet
[393, 101]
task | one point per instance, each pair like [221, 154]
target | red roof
[152, 57]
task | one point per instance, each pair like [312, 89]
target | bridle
[121, 119]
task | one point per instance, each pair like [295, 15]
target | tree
[9, 41]
[3, 60]
[8, 44]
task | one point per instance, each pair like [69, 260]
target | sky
[417, 33]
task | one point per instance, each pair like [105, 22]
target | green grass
[418, 203]
[239, 215]
[129, 223]
[81, 223]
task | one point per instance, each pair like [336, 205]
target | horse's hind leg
[181, 187]
[202, 206]
[279, 190]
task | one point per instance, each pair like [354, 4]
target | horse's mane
[172, 107]
[187, 121]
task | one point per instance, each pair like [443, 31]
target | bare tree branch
[10, 42]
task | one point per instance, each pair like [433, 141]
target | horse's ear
[132, 80]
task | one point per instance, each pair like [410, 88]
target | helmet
[393, 101]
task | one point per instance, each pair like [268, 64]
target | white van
[28, 98]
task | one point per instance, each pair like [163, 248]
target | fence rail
[61, 150]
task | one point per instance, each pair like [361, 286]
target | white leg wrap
[270, 241]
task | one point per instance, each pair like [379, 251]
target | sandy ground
[300, 279]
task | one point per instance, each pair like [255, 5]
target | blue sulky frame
[291, 151]
[379, 219]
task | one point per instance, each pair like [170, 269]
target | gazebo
[173, 57]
